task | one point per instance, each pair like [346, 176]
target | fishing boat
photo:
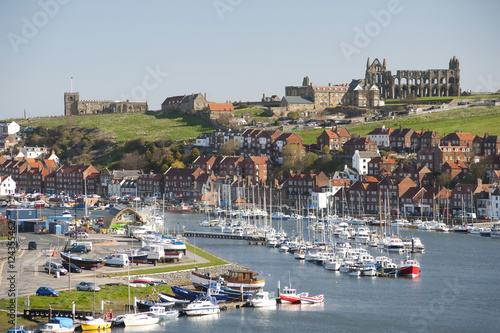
[332, 264]
[135, 256]
[395, 244]
[183, 209]
[59, 325]
[83, 262]
[368, 269]
[409, 267]
[140, 319]
[204, 305]
[163, 314]
[263, 299]
[290, 296]
[306, 299]
[217, 287]
[95, 324]
[235, 279]
[193, 295]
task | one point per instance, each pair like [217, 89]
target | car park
[72, 267]
[47, 291]
[87, 286]
[54, 268]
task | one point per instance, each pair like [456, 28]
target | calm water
[458, 291]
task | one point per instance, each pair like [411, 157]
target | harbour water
[458, 290]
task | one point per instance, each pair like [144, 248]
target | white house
[34, 152]
[381, 136]
[54, 158]
[7, 186]
[203, 140]
[494, 215]
[319, 200]
[9, 128]
[360, 160]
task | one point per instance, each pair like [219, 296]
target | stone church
[73, 106]
[418, 83]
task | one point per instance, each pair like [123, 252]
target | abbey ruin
[417, 83]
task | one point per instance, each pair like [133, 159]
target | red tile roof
[221, 107]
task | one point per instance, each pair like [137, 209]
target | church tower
[71, 103]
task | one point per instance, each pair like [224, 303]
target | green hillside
[151, 126]
[477, 120]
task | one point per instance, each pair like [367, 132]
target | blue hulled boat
[192, 294]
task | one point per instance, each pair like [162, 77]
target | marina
[438, 300]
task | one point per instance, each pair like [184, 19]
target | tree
[309, 160]
[168, 160]
[133, 161]
[178, 156]
[228, 148]
[325, 150]
[293, 157]
[195, 153]
[178, 164]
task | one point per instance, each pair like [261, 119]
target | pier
[49, 313]
[252, 239]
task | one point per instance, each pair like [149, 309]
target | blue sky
[231, 50]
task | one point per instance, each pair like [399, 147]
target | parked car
[87, 286]
[47, 291]
[77, 249]
[73, 268]
[32, 245]
[70, 233]
[82, 234]
[54, 267]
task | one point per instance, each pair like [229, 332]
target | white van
[53, 267]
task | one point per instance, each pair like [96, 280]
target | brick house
[229, 166]
[280, 142]
[73, 180]
[150, 185]
[256, 169]
[330, 139]
[454, 170]
[299, 186]
[459, 139]
[220, 111]
[429, 139]
[361, 144]
[178, 180]
[478, 145]
[400, 139]
[205, 163]
[491, 145]
[381, 165]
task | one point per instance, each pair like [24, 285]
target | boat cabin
[241, 276]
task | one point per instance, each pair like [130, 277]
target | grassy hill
[477, 121]
[151, 126]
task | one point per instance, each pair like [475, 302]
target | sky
[232, 50]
